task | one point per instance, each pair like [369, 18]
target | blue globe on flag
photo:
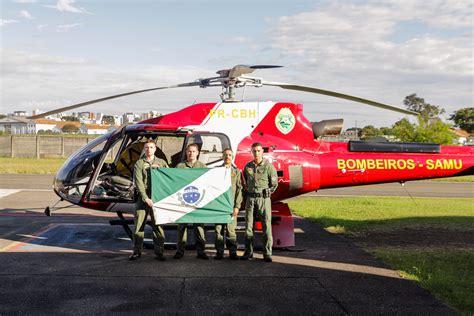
[191, 194]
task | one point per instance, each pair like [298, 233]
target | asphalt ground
[75, 263]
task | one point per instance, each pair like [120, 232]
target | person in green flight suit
[236, 179]
[192, 152]
[144, 204]
[261, 181]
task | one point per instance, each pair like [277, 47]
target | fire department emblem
[285, 121]
[191, 195]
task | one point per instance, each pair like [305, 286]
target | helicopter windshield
[74, 175]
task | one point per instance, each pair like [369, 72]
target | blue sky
[55, 53]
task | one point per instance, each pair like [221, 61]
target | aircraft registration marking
[233, 113]
[398, 164]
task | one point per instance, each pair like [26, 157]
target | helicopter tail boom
[402, 162]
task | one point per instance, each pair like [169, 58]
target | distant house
[52, 125]
[462, 135]
[16, 125]
[95, 129]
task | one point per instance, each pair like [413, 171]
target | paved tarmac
[75, 263]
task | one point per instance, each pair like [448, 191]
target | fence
[40, 146]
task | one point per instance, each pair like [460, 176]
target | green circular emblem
[285, 120]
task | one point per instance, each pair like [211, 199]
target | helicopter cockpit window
[211, 146]
[74, 175]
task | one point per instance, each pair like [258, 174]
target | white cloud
[40, 27]
[436, 13]
[5, 22]
[351, 48]
[236, 40]
[31, 80]
[25, 14]
[25, 1]
[67, 6]
[67, 27]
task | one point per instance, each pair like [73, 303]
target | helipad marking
[7, 192]
[28, 245]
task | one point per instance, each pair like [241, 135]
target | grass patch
[454, 179]
[410, 236]
[30, 165]
[365, 213]
[448, 275]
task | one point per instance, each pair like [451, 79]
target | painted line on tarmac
[16, 244]
[31, 190]
[25, 245]
[7, 192]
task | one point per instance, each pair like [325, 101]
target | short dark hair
[257, 144]
[193, 145]
[227, 149]
[149, 141]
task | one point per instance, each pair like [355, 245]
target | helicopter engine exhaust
[327, 127]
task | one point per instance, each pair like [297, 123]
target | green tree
[404, 130]
[439, 133]
[428, 129]
[464, 118]
[386, 131]
[369, 131]
[108, 119]
[70, 129]
[70, 118]
[2, 116]
[427, 111]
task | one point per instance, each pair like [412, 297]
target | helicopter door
[107, 183]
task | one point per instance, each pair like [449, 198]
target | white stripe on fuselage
[235, 119]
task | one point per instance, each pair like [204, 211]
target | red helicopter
[99, 175]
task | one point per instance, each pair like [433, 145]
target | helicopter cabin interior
[113, 177]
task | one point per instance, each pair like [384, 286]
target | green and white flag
[191, 195]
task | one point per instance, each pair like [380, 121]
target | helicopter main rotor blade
[239, 70]
[290, 86]
[70, 107]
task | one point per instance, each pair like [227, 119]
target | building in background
[96, 129]
[462, 136]
[16, 125]
[130, 117]
[51, 126]
[20, 113]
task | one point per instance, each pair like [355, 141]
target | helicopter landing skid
[48, 210]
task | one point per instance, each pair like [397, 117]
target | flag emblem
[191, 195]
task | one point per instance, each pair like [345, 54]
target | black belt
[254, 194]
